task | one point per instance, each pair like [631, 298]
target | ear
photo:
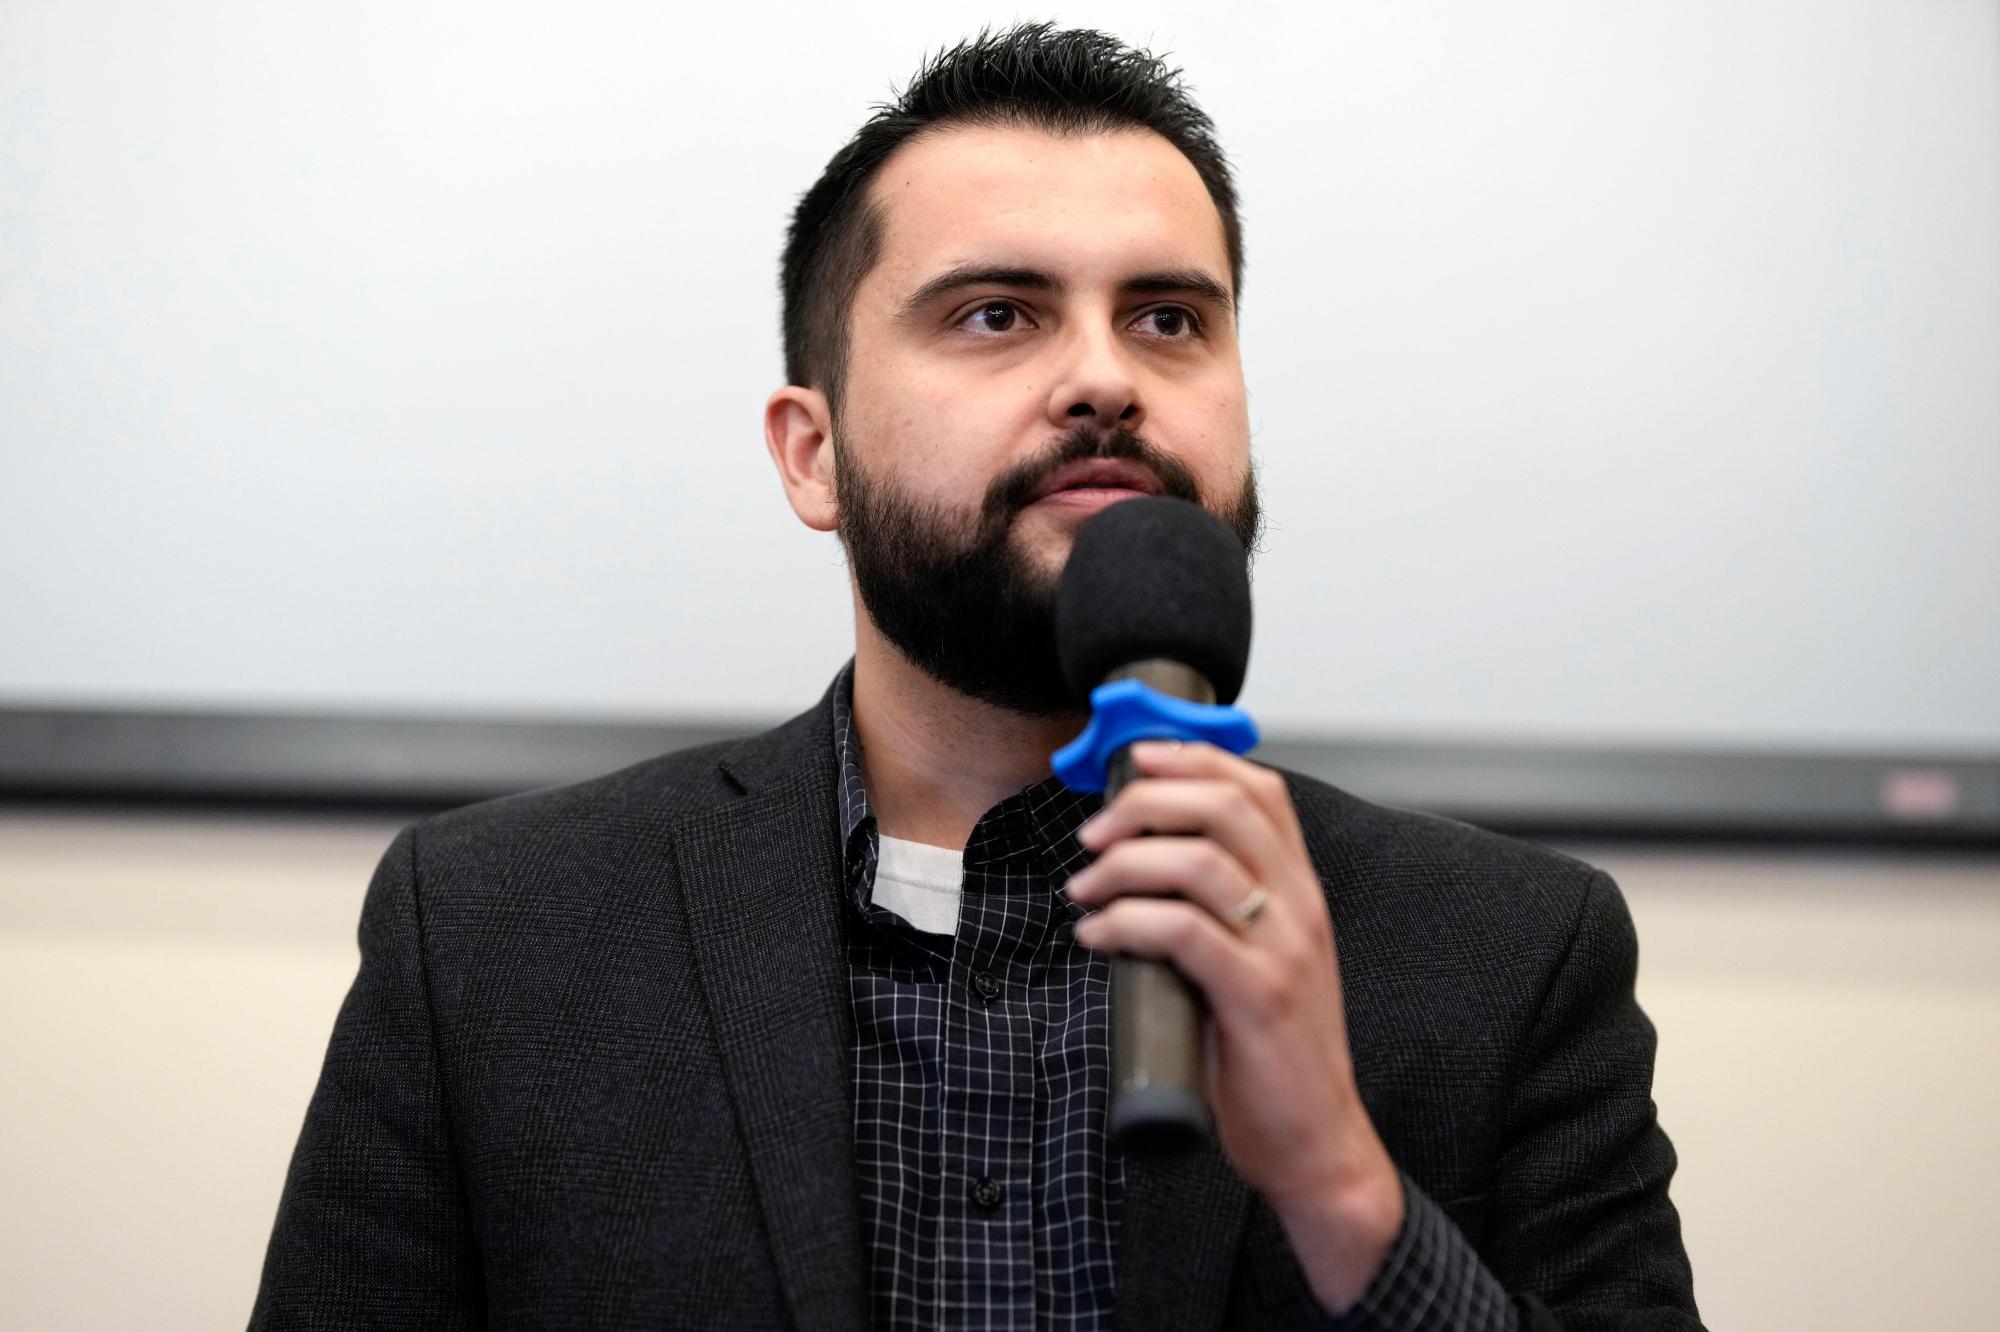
[798, 429]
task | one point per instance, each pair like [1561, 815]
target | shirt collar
[1039, 819]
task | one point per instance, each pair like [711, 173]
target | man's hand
[1280, 1078]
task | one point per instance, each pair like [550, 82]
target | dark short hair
[1072, 81]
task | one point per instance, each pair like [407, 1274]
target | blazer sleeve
[1582, 1237]
[1579, 1207]
[372, 1228]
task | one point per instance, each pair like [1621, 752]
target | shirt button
[987, 985]
[986, 1192]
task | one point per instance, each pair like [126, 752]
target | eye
[994, 316]
[1176, 323]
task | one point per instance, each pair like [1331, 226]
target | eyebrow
[1167, 282]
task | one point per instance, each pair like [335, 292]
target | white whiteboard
[1620, 373]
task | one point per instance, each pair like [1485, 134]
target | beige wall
[1830, 1064]
[1830, 1072]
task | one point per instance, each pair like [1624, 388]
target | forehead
[1095, 204]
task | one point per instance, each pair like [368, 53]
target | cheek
[948, 435]
[1220, 437]
[915, 443]
[1210, 430]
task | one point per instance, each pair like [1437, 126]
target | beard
[969, 608]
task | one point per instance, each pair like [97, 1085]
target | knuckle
[1212, 860]
[1293, 964]
[1265, 992]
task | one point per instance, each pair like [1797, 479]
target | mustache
[1013, 489]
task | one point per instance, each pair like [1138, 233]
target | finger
[1194, 868]
[1166, 758]
[1206, 807]
[1203, 949]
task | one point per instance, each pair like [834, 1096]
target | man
[809, 1029]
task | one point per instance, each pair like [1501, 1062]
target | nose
[1096, 382]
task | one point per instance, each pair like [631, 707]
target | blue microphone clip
[1129, 711]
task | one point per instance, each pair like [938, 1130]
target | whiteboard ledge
[426, 763]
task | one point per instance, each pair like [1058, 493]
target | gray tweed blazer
[594, 1073]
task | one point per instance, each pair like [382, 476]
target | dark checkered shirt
[982, 1073]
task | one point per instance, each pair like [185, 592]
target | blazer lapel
[762, 879]
[1178, 1241]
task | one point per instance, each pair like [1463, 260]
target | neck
[935, 760]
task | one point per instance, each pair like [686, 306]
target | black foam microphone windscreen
[1155, 578]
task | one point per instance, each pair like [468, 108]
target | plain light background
[1620, 372]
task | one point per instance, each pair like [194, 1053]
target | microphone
[1157, 592]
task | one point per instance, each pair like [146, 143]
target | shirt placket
[987, 1242]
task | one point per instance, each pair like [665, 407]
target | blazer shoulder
[1450, 868]
[646, 799]
[536, 849]
[567, 843]
[500, 893]
[654, 790]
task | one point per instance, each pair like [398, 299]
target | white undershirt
[920, 883]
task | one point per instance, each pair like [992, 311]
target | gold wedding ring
[1246, 911]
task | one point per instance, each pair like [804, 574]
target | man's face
[1048, 330]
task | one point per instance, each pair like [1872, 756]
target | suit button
[987, 985]
[986, 1192]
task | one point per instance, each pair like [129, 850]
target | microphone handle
[1157, 1106]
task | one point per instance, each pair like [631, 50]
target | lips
[1097, 474]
